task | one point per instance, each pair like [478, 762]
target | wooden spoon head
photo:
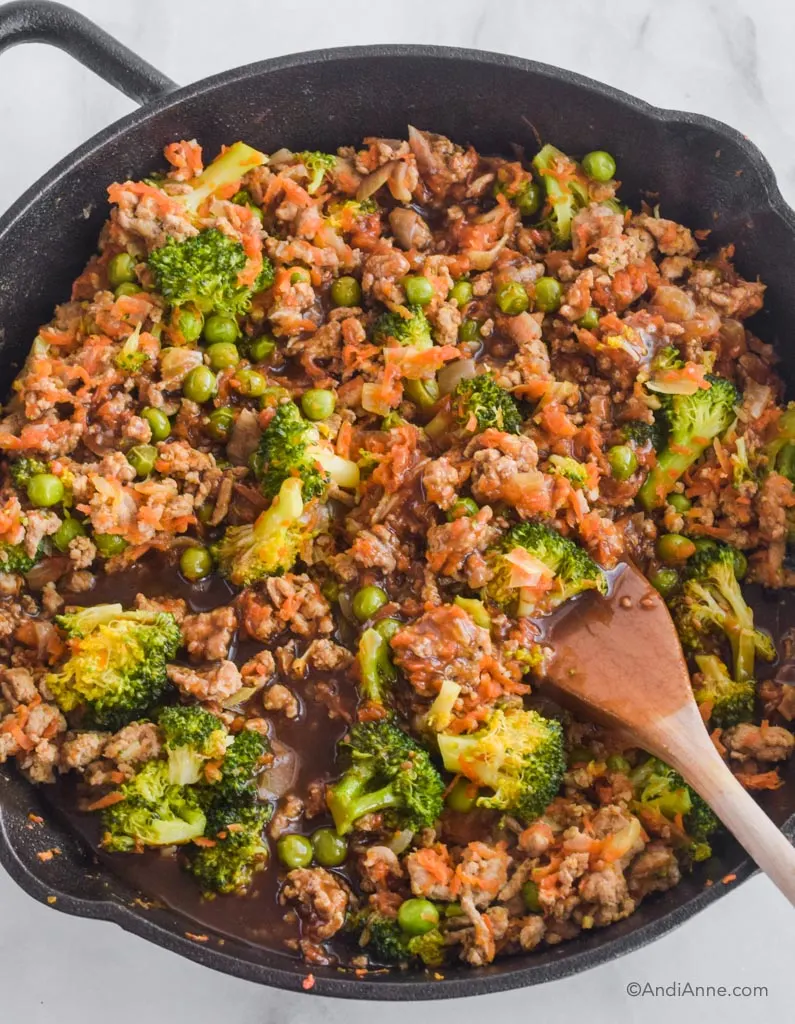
[618, 658]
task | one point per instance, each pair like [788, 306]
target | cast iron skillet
[707, 175]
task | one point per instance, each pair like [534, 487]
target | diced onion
[452, 374]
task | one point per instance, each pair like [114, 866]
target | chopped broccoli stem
[225, 171]
[390, 774]
[518, 755]
[694, 421]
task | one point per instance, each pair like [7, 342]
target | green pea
[705, 544]
[142, 459]
[66, 533]
[590, 319]
[469, 330]
[330, 589]
[740, 564]
[126, 288]
[158, 423]
[416, 917]
[512, 298]
[665, 581]
[45, 489]
[453, 910]
[294, 851]
[220, 422]
[530, 897]
[121, 270]
[109, 544]
[346, 291]
[548, 294]
[423, 393]
[617, 763]
[190, 324]
[300, 274]
[680, 502]
[528, 201]
[330, 849]
[195, 563]
[461, 292]
[462, 507]
[205, 513]
[222, 355]
[367, 601]
[199, 385]
[623, 461]
[251, 384]
[318, 403]
[261, 349]
[463, 796]
[673, 548]
[387, 628]
[220, 328]
[599, 165]
[418, 289]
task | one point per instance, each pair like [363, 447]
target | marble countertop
[731, 59]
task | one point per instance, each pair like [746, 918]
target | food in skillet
[396, 406]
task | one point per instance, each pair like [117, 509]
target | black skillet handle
[39, 21]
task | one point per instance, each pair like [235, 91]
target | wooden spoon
[619, 661]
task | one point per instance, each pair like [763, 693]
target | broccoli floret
[205, 270]
[318, 165]
[641, 434]
[479, 402]
[154, 812]
[518, 755]
[286, 450]
[290, 447]
[270, 545]
[14, 559]
[536, 569]
[376, 671]
[225, 171]
[572, 470]
[730, 702]
[131, 358]
[344, 216]
[779, 453]
[117, 662]
[711, 602]
[386, 943]
[240, 765]
[668, 358]
[388, 773]
[413, 330]
[694, 421]
[192, 736]
[235, 826]
[565, 187]
[23, 469]
[659, 788]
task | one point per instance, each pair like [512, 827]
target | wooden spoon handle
[689, 749]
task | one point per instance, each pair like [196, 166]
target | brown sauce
[258, 918]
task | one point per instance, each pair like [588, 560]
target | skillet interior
[707, 176]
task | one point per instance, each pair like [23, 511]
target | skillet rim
[412, 986]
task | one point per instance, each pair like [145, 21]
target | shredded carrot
[106, 801]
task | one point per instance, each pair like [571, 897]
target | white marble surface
[732, 59]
